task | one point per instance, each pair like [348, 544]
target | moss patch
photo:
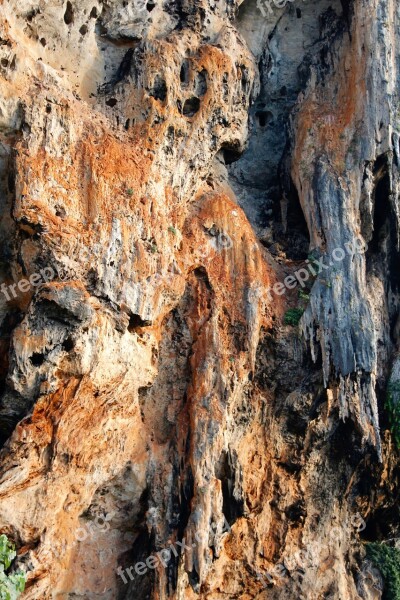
[392, 406]
[293, 316]
[387, 560]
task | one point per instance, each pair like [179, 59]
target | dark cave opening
[291, 229]
[136, 322]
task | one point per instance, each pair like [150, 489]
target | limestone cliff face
[163, 167]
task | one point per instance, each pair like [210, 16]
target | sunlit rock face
[199, 311]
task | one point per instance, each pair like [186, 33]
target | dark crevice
[382, 254]
[132, 585]
[182, 495]
[123, 71]
[184, 73]
[13, 407]
[194, 578]
[125, 66]
[381, 217]
[201, 82]
[228, 471]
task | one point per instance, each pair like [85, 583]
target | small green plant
[172, 229]
[313, 260]
[392, 406]
[387, 560]
[293, 316]
[326, 282]
[11, 586]
[153, 249]
[130, 192]
[304, 296]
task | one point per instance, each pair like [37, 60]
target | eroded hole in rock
[37, 359]
[201, 275]
[94, 14]
[296, 512]
[32, 14]
[69, 14]
[159, 89]
[83, 30]
[150, 5]
[263, 117]
[191, 107]
[112, 102]
[60, 212]
[68, 344]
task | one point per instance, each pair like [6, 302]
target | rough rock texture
[163, 166]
